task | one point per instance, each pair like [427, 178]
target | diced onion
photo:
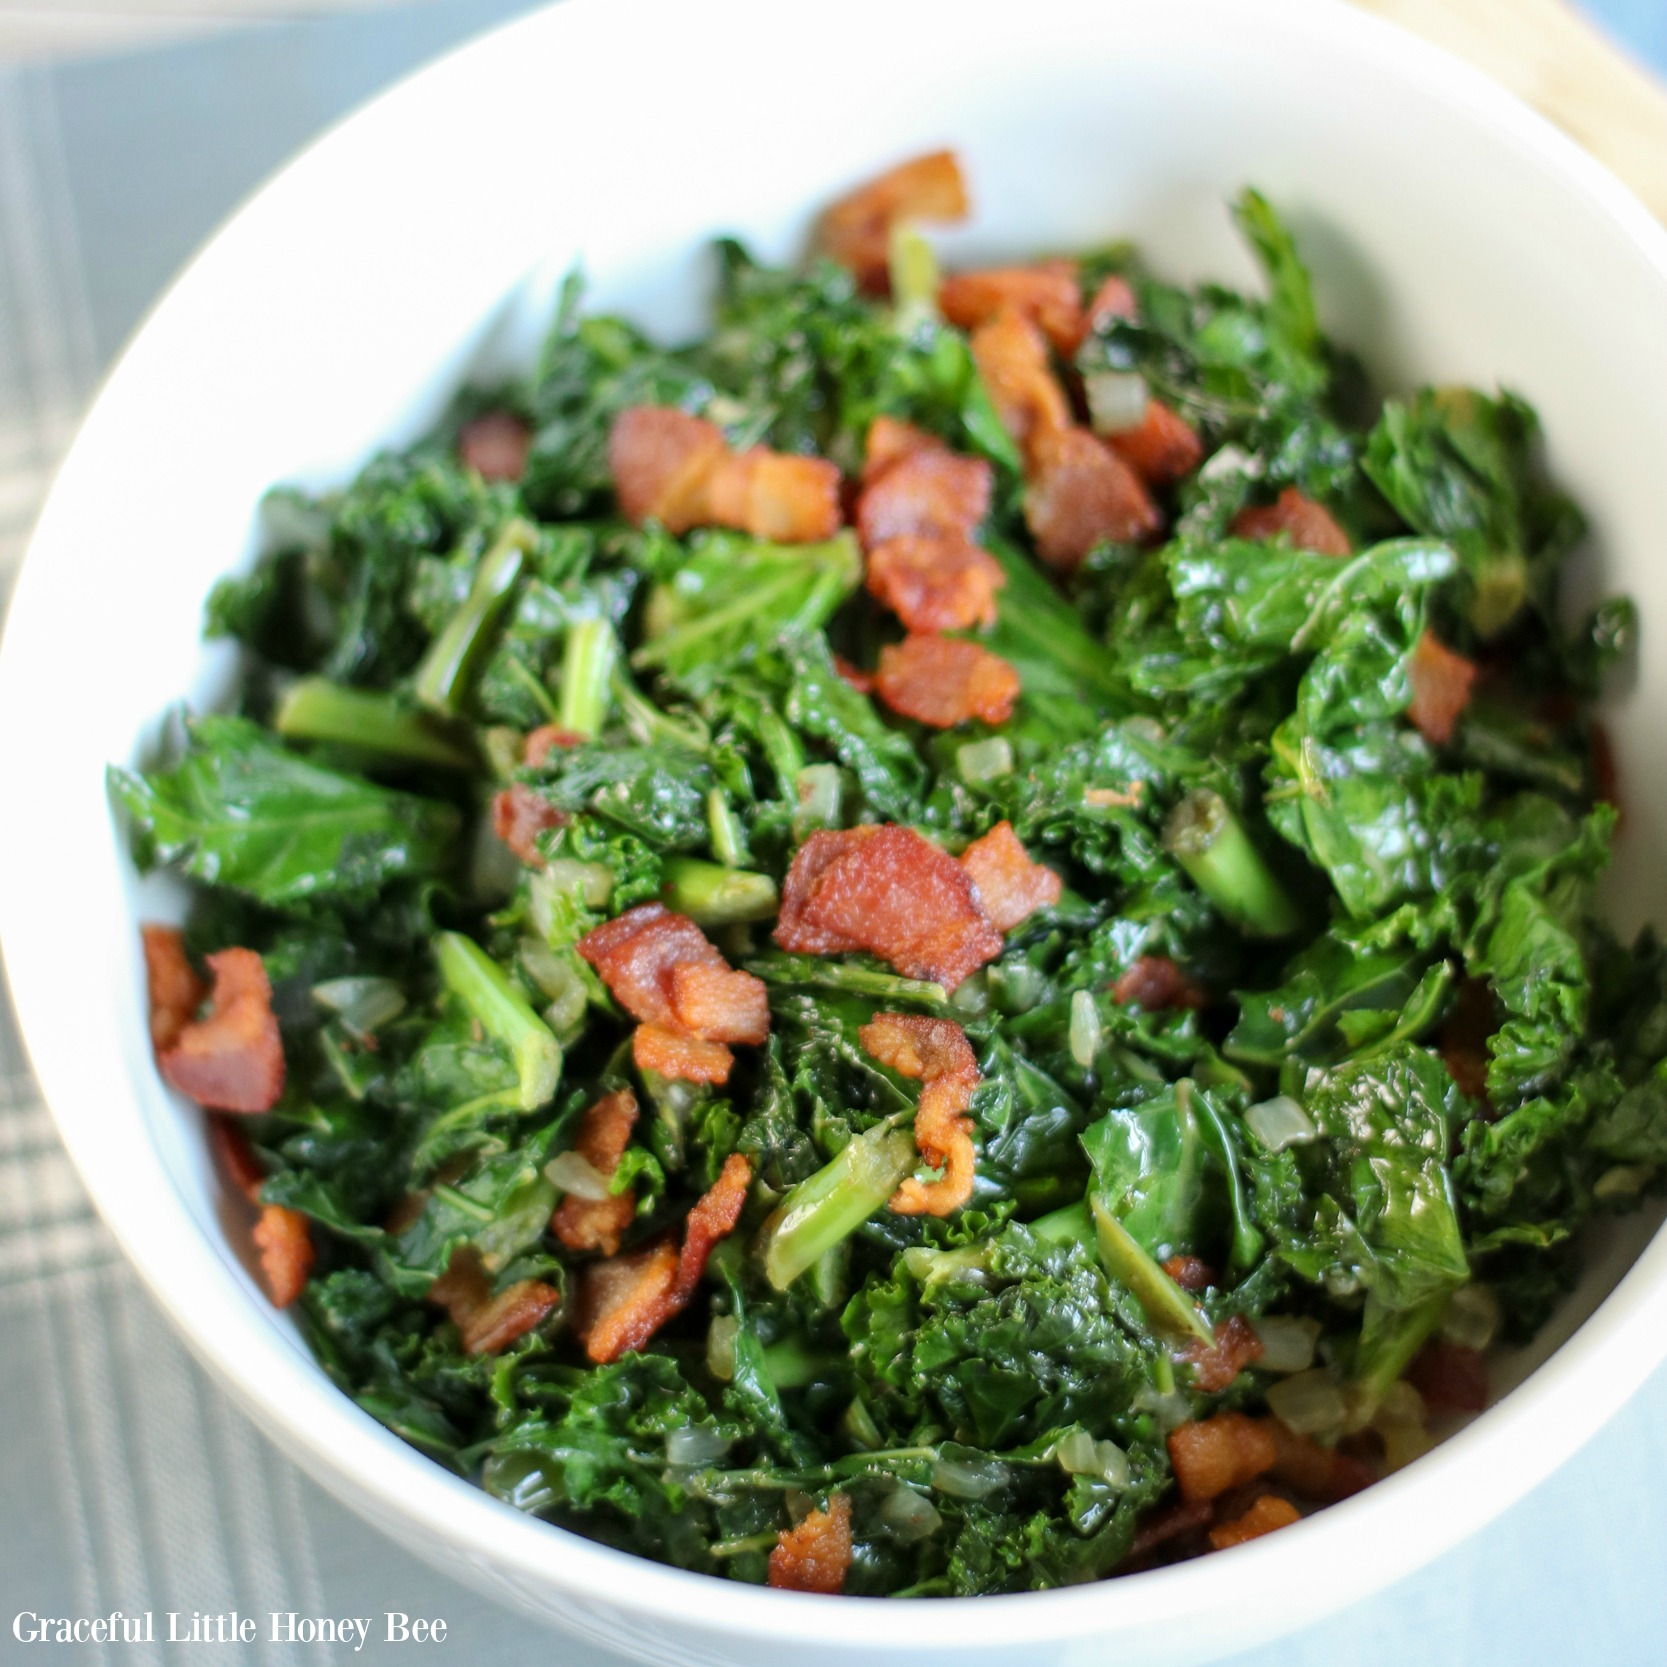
[1624, 1180]
[362, 1004]
[963, 1480]
[1399, 1419]
[1310, 1403]
[720, 1347]
[1116, 400]
[986, 760]
[1168, 1410]
[1472, 1318]
[1287, 1342]
[695, 1446]
[578, 1176]
[819, 795]
[910, 1516]
[1079, 1454]
[1086, 1030]
[1230, 460]
[1280, 1122]
[554, 974]
[591, 883]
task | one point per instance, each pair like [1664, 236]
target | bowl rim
[1487, 1466]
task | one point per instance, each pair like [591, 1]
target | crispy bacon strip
[175, 990]
[1012, 359]
[945, 681]
[1267, 1513]
[1079, 493]
[943, 583]
[1450, 1377]
[489, 1324]
[626, 1299]
[604, 1133]
[890, 440]
[281, 1235]
[1154, 982]
[815, 1556]
[926, 492]
[1236, 1347]
[1319, 1473]
[785, 498]
[936, 1053]
[719, 1005]
[519, 815]
[546, 739]
[1011, 888]
[1046, 293]
[891, 892]
[1307, 524]
[234, 1059]
[856, 230]
[679, 1056]
[1219, 1453]
[1161, 447]
[1441, 684]
[495, 445]
[635, 954]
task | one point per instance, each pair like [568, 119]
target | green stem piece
[587, 666]
[1206, 839]
[712, 895]
[443, 678]
[316, 709]
[1167, 1306]
[485, 990]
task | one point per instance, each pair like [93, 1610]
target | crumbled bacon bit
[1308, 525]
[1191, 1273]
[856, 230]
[679, 1056]
[234, 1059]
[519, 815]
[546, 739]
[944, 681]
[1236, 1347]
[1046, 293]
[1154, 982]
[1441, 683]
[282, 1237]
[787, 499]
[626, 1299]
[1463, 1044]
[604, 1133]
[1219, 1453]
[662, 461]
[860, 680]
[1170, 1522]
[891, 892]
[928, 492]
[1161, 448]
[1012, 359]
[1322, 1474]
[175, 990]
[815, 1556]
[489, 1324]
[889, 441]
[1114, 298]
[941, 583]
[1450, 1377]
[634, 954]
[495, 445]
[936, 1053]
[720, 1005]
[1011, 888]
[1078, 494]
[1267, 1513]
[231, 1149]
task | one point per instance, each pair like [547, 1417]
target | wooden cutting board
[1551, 56]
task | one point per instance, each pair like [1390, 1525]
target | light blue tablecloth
[127, 1481]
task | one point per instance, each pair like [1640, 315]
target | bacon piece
[1267, 1513]
[936, 1053]
[285, 1244]
[1113, 299]
[856, 230]
[860, 680]
[1171, 1522]
[1236, 1346]
[1219, 1453]
[889, 891]
[935, 584]
[1191, 1273]
[1012, 359]
[1441, 683]
[1463, 1044]
[634, 955]
[944, 681]
[489, 1324]
[1161, 447]
[1319, 1473]
[495, 445]
[1046, 293]
[928, 492]
[604, 1133]
[1154, 982]
[719, 1005]
[662, 461]
[519, 815]
[815, 1556]
[1079, 494]
[626, 1299]
[231, 1150]
[1450, 1377]
[175, 990]
[889, 441]
[1011, 888]
[234, 1059]
[1307, 524]
[683, 1058]
[546, 739]
[775, 495]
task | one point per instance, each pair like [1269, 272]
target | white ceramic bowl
[1454, 236]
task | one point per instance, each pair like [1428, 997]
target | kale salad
[941, 943]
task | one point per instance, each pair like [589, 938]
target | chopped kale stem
[972, 973]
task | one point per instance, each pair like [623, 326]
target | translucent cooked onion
[720, 1347]
[987, 760]
[1472, 1318]
[819, 796]
[910, 1516]
[1280, 1122]
[695, 1447]
[577, 1175]
[362, 1004]
[555, 975]
[553, 890]
[1287, 1342]
[1116, 400]
[1086, 1030]
[1310, 1403]
[1399, 1419]
[1230, 460]
[1079, 1454]
[963, 1480]
[1167, 1410]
